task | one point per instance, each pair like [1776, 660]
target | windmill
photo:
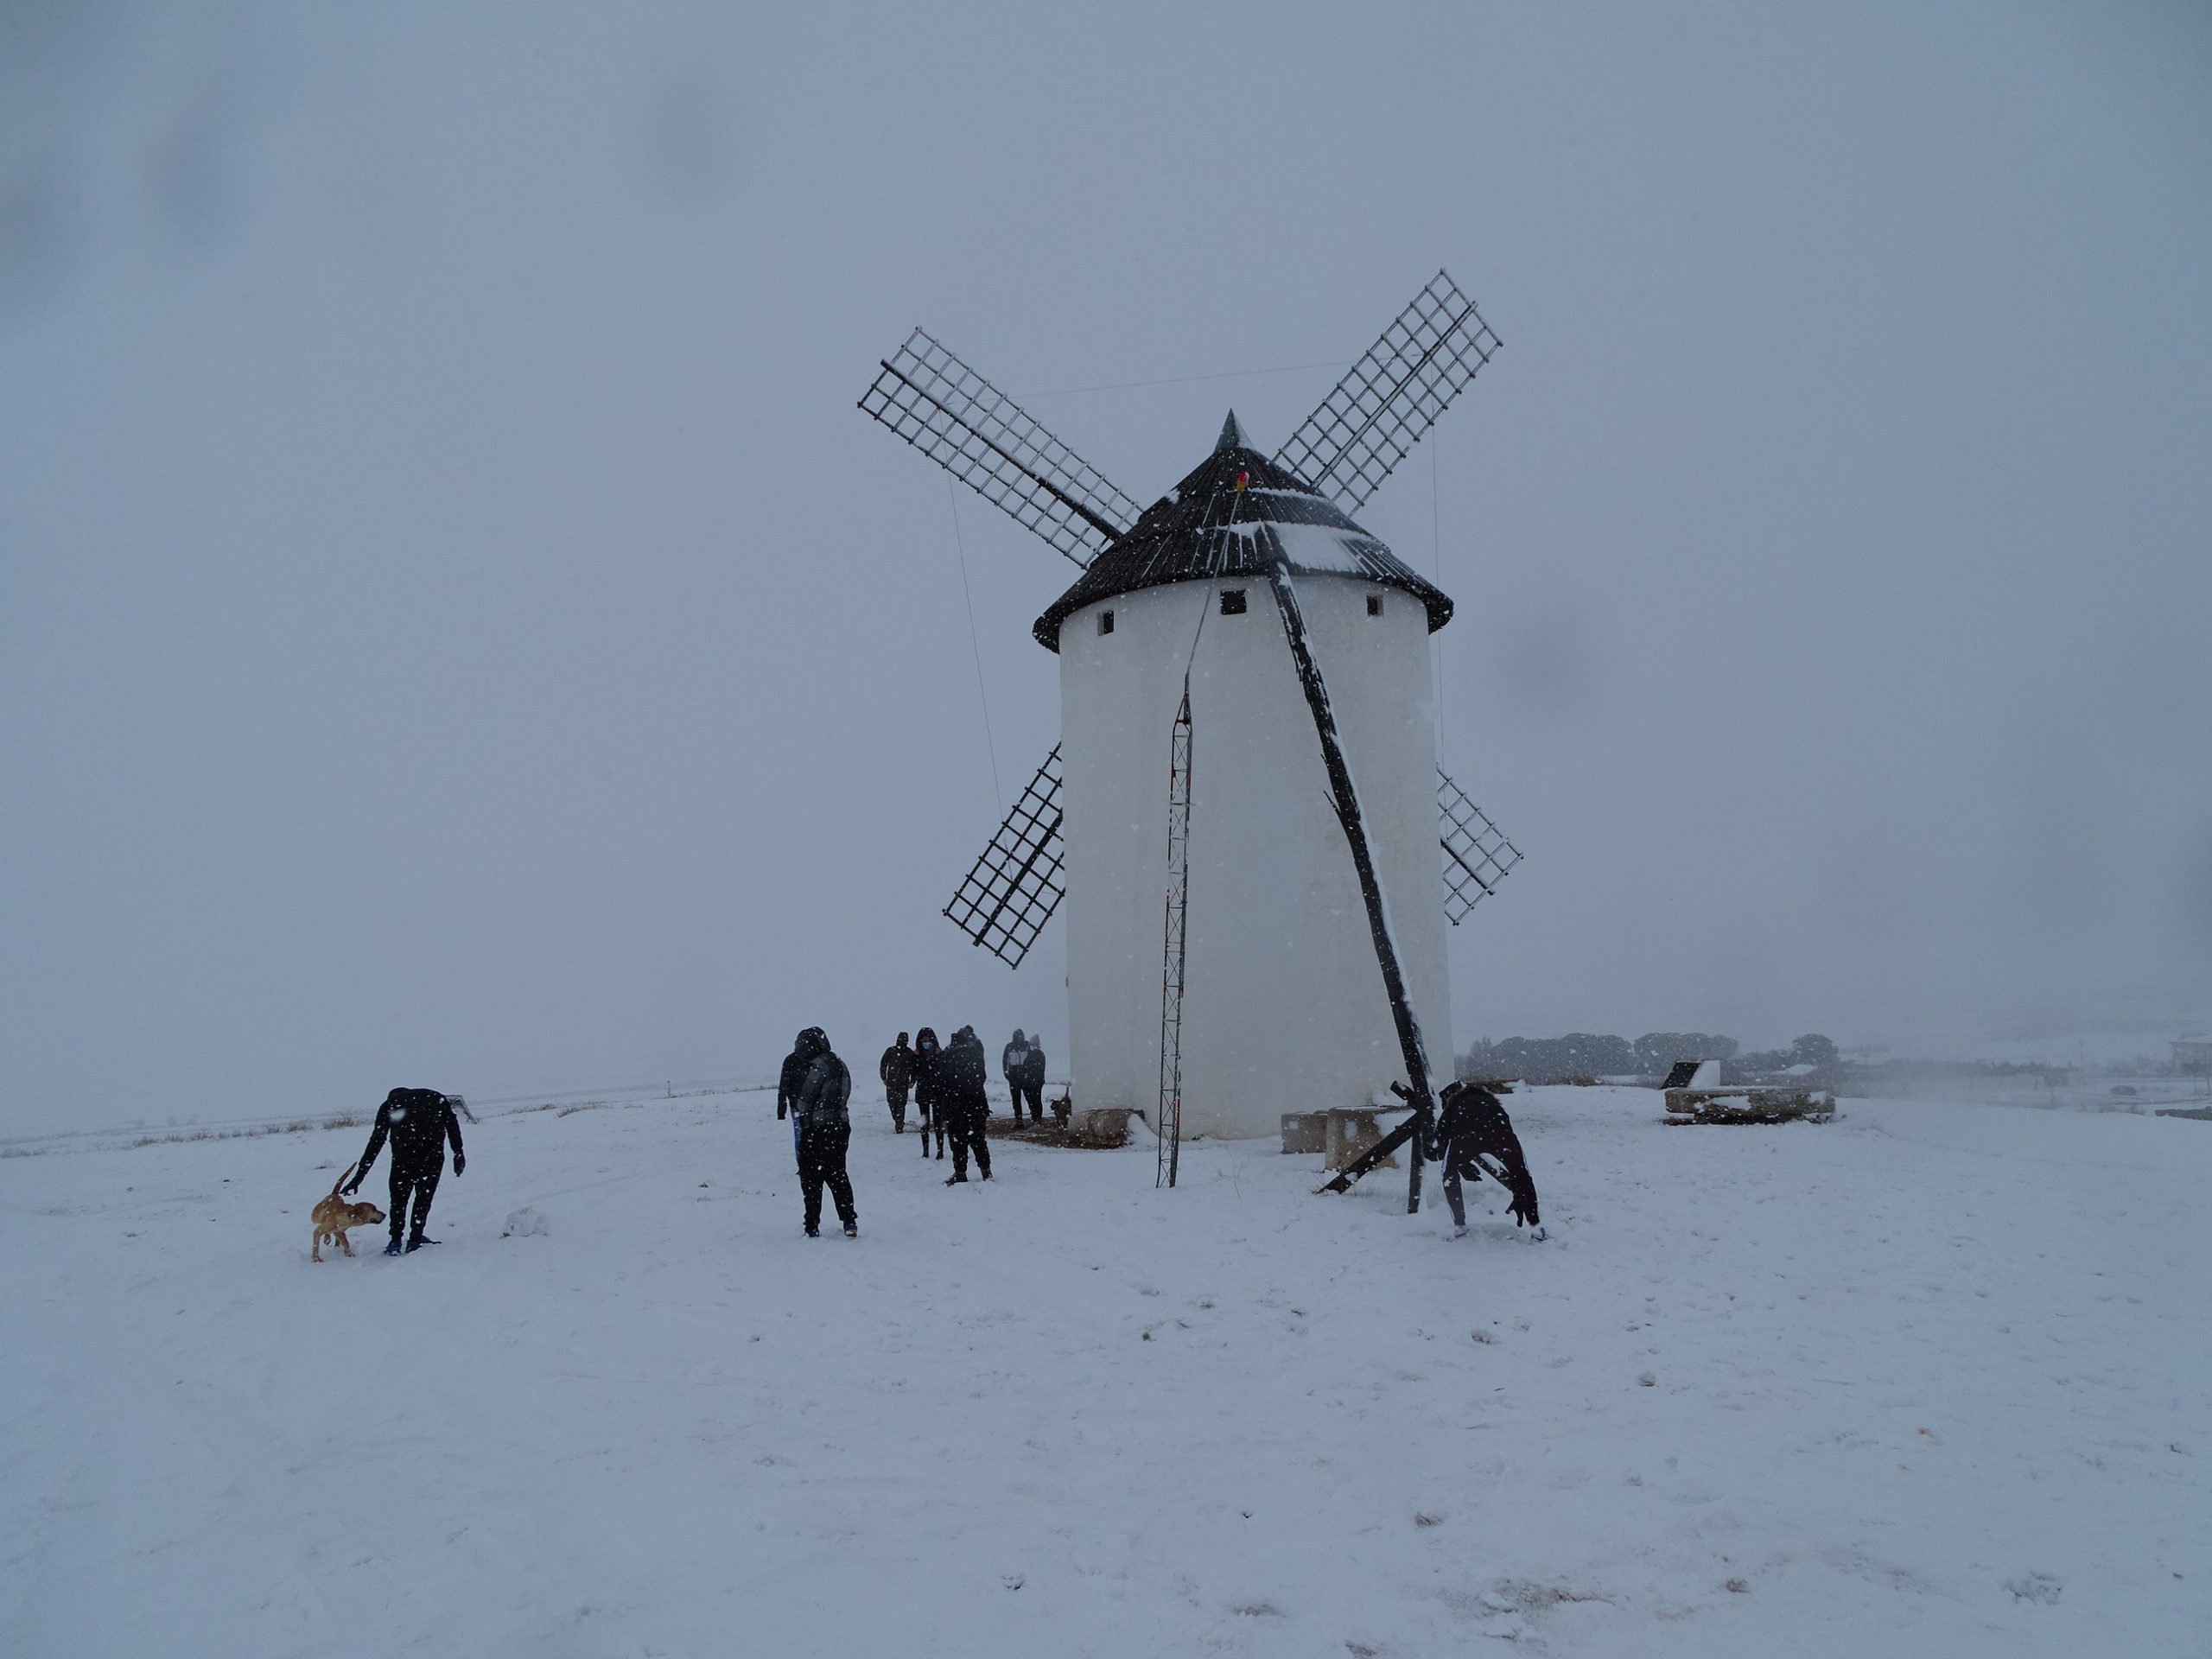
[1306, 990]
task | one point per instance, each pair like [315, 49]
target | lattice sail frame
[1021, 878]
[1477, 854]
[1379, 411]
[983, 438]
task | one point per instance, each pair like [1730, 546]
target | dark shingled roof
[1206, 528]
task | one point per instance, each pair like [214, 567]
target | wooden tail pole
[1345, 798]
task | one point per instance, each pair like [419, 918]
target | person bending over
[1472, 1122]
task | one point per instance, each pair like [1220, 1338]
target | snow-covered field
[1932, 1380]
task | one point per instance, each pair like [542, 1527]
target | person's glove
[1523, 1211]
[779, 1111]
[459, 1162]
[354, 1185]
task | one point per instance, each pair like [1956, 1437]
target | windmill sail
[1476, 855]
[1379, 411]
[960, 420]
[1017, 884]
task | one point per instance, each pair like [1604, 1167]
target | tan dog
[333, 1215]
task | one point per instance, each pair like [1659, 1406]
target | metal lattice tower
[983, 438]
[1013, 889]
[1174, 953]
[1477, 854]
[1362, 429]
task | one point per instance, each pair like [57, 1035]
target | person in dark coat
[1472, 1122]
[929, 1061]
[964, 1106]
[1014, 1067]
[896, 1068]
[790, 1081]
[1031, 1083]
[825, 1132]
[419, 1122]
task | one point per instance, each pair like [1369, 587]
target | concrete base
[1352, 1130]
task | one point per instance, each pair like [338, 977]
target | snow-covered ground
[1932, 1380]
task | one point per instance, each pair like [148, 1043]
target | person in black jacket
[896, 1068]
[789, 1082]
[419, 1122]
[825, 1132]
[1029, 1081]
[962, 1105]
[1472, 1122]
[1033, 1080]
[929, 1060]
[1014, 1067]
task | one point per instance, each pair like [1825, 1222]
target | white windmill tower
[1304, 961]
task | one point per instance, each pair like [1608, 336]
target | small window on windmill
[1105, 621]
[1374, 604]
[1232, 601]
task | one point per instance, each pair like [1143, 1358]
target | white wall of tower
[1284, 1009]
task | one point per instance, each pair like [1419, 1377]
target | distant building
[2193, 1053]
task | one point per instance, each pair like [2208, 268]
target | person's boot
[393, 1249]
[954, 1180]
[852, 1229]
[418, 1242]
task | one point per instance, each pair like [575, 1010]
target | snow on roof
[1206, 527]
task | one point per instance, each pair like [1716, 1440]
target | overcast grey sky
[455, 628]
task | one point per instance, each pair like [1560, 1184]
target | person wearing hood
[419, 1122]
[929, 1061]
[964, 1106]
[1022, 1064]
[824, 1134]
[896, 1068]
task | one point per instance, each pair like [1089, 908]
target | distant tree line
[1589, 1054]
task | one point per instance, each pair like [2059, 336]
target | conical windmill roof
[1207, 528]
